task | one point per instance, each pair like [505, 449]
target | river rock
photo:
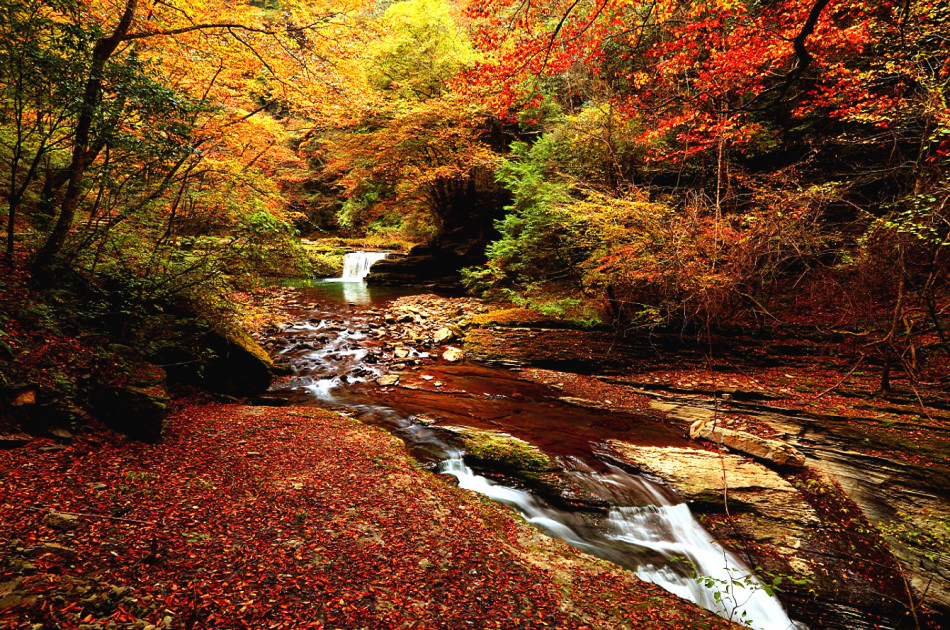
[497, 450]
[387, 380]
[61, 521]
[442, 335]
[715, 481]
[770, 450]
[452, 355]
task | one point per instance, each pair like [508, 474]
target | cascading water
[356, 265]
[643, 531]
[661, 542]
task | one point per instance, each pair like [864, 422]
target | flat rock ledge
[774, 451]
[716, 480]
[766, 510]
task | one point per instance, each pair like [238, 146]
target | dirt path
[260, 517]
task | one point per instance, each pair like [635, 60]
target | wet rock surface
[719, 481]
[899, 497]
[578, 350]
[766, 516]
[420, 267]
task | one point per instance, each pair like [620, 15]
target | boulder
[452, 355]
[239, 365]
[499, 451]
[387, 380]
[217, 359]
[521, 463]
[774, 451]
[134, 403]
[442, 335]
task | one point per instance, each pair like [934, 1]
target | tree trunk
[92, 96]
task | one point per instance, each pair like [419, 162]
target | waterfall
[717, 579]
[662, 542]
[356, 265]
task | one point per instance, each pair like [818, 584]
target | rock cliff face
[423, 266]
[466, 221]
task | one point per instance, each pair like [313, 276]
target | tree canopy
[647, 164]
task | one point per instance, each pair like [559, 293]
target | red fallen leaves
[249, 517]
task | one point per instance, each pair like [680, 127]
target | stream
[635, 523]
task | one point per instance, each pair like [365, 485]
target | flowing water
[640, 526]
[356, 265]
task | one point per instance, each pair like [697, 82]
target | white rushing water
[336, 361]
[663, 543]
[356, 265]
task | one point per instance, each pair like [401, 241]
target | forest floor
[292, 517]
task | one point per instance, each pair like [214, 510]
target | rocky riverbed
[786, 513]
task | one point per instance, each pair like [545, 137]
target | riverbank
[292, 517]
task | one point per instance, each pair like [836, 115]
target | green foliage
[419, 152]
[533, 249]
[570, 239]
[927, 534]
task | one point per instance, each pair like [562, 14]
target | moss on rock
[498, 450]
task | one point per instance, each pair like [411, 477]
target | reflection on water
[336, 290]
[352, 292]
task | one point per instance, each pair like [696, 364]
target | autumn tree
[131, 115]
[421, 156]
[798, 126]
